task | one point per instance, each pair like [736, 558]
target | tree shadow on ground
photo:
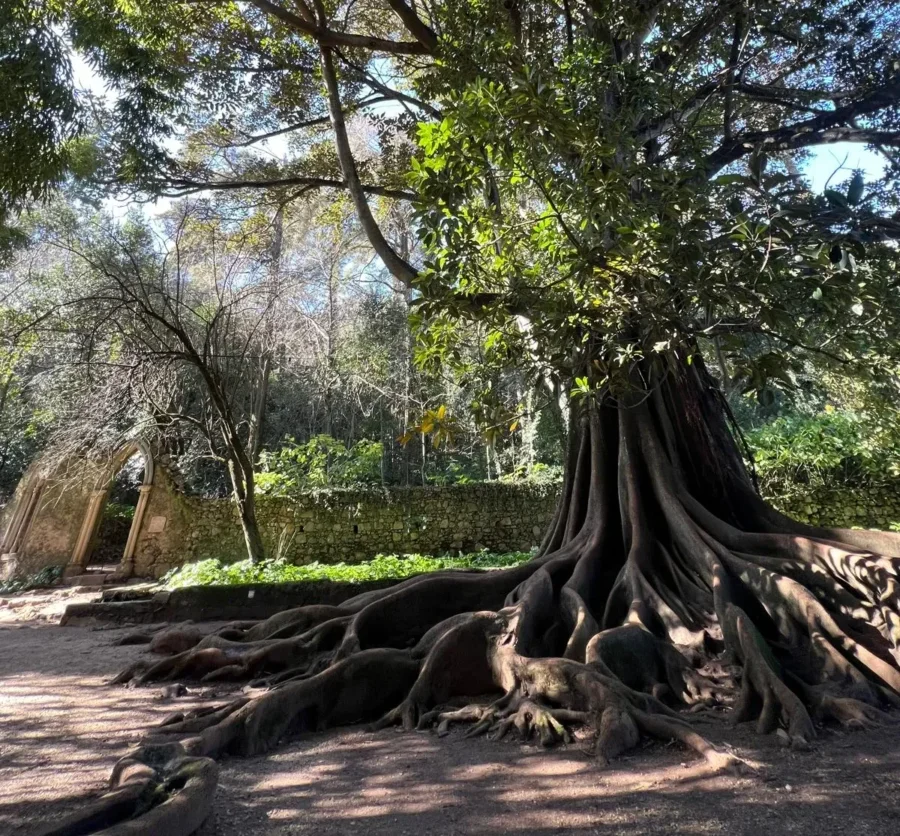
[349, 782]
[62, 728]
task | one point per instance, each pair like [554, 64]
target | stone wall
[874, 506]
[351, 526]
[55, 522]
[347, 525]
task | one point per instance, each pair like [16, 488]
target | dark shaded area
[215, 603]
[118, 514]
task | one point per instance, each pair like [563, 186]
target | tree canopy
[599, 169]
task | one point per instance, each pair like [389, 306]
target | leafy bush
[321, 462]
[48, 576]
[448, 469]
[215, 573]
[542, 474]
[118, 511]
[828, 447]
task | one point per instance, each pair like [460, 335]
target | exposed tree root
[660, 568]
[156, 789]
[640, 660]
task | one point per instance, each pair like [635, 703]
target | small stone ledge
[216, 603]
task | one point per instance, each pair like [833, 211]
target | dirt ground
[62, 728]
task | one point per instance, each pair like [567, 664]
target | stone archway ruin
[18, 527]
[97, 500]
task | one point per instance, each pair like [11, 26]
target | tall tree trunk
[406, 296]
[330, 342]
[660, 557]
[244, 492]
[252, 538]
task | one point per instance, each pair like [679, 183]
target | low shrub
[825, 449]
[384, 566]
[321, 462]
[47, 577]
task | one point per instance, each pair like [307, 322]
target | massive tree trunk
[661, 558]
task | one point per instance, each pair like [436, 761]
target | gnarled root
[528, 717]
[541, 696]
[764, 694]
[355, 690]
[154, 790]
[556, 695]
[456, 663]
[849, 712]
[397, 617]
[638, 659]
[216, 658]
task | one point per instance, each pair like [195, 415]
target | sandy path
[61, 729]
[350, 782]
[61, 726]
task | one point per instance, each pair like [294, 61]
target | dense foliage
[382, 567]
[601, 194]
[322, 461]
[825, 449]
[39, 109]
[78, 373]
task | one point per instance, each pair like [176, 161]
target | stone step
[89, 579]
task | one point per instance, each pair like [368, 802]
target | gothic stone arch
[97, 501]
[19, 524]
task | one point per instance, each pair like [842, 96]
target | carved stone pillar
[12, 530]
[126, 567]
[18, 527]
[88, 527]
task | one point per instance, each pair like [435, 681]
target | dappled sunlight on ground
[62, 728]
[352, 782]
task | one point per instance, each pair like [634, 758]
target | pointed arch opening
[115, 513]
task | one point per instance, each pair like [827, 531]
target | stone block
[91, 579]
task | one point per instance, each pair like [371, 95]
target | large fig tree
[611, 188]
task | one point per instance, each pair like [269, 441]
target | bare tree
[184, 327]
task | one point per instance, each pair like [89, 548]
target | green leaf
[835, 198]
[856, 188]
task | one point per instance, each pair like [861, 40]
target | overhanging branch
[825, 128]
[179, 187]
[401, 269]
[415, 26]
[329, 37]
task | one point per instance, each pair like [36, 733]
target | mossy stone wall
[836, 506]
[348, 525]
[351, 526]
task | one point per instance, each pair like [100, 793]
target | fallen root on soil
[157, 789]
